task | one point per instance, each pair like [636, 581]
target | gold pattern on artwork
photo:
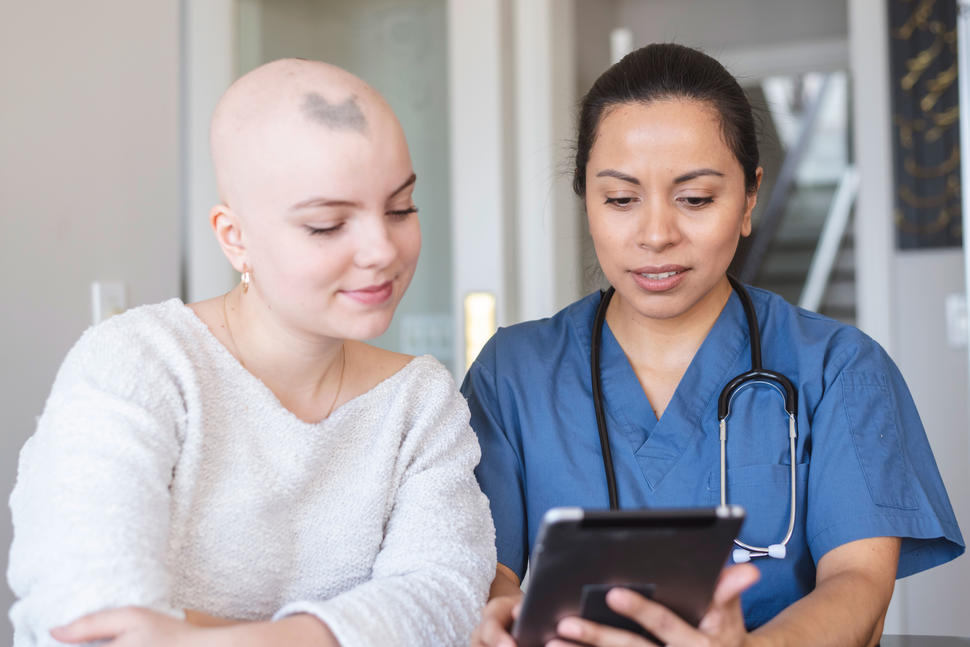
[905, 128]
[916, 20]
[951, 164]
[937, 86]
[940, 223]
[932, 128]
[952, 190]
[918, 64]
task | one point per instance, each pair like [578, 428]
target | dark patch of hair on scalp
[346, 115]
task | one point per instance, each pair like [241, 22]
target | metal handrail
[771, 219]
[830, 240]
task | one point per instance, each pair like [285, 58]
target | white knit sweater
[163, 474]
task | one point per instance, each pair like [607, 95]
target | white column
[208, 67]
[874, 244]
[546, 212]
[569, 217]
[480, 197]
[872, 137]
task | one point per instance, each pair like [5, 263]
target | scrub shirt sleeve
[872, 471]
[500, 471]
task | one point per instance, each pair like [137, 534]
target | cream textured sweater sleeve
[439, 540]
[91, 504]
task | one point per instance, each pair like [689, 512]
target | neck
[668, 342]
[291, 364]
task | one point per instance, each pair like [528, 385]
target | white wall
[935, 601]
[88, 187]
[208, 67]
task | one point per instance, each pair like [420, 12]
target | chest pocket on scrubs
[764, 491]
[759, 468]
[870, 411]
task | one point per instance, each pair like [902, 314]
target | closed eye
[323, 231]
[620, 202]
[401, 214]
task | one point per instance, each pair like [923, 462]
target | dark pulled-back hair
[662, 72]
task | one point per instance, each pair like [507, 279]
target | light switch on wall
[107, 299]
[956, 320]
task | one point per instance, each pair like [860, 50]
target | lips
[372, 294]
[659, 278]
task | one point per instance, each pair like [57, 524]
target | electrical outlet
[107, 299]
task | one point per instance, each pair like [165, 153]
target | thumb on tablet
[734, 581]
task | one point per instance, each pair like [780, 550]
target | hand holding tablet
[671, 556]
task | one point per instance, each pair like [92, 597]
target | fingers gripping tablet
[673, 556]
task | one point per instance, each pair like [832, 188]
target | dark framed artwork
[926, 123]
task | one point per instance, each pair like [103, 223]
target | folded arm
[91, 505]
[145, 628]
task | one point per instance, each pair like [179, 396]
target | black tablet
[673, 556]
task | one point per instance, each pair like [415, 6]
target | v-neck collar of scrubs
[658, 444]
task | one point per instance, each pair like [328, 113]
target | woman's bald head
[262, 110]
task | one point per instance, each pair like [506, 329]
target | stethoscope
[757, 375]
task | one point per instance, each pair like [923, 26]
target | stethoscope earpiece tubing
[598, 397]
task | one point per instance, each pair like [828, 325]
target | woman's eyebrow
[330, 202]
[620, 176]
[698, 173]
[323, 202]
[411, 180]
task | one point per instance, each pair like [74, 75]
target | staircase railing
[830, 240]
[771, 218]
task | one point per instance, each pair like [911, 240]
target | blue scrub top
[864, 466]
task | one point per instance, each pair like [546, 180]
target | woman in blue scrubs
[667, 164]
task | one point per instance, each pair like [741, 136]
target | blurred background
[106, 183]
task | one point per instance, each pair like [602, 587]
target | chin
[369, 329]
[660, 307]
[661, 313]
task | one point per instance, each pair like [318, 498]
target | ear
[750, 201]
[228, 230]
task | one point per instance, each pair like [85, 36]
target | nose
[375, 245]
[658, 227]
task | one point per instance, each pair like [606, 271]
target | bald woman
[246, 470]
